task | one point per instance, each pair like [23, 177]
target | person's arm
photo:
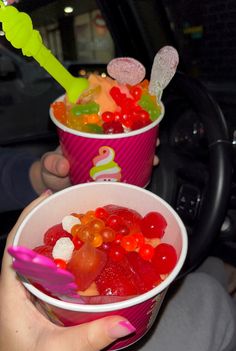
[23, 327]
[15, 186]
[23, 176]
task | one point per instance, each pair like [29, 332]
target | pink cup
[142, 310]
[124, 157]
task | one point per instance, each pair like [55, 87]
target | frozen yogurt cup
[122, 157]
[110, 132]
[141, 310]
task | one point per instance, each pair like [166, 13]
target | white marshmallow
[63, 249]
[69, 221]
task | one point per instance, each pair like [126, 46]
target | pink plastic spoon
[42, 270]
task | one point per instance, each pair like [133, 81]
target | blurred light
[68, 9]
[2, 33]
[10, 2]
[82, 72]
[103, 75]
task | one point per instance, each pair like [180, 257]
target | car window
[76, 33]
[73, 31]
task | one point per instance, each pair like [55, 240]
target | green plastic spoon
[19, 32]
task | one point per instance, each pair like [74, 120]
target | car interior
[196, 174]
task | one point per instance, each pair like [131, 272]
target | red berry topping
[44, 250]
[108, 116]
[164, 258]
[60, 263]
[127, 120]
[138, 124]
[117, 116]
[143, 116]
[146, 251]
[118, 238]
[77, 243]
[114, 221]
[116, 94]
[153, 225]
[129, 243]
[112, 127]
[101, 213]
[127, 105]
[140, 240]
[136, 92]
[54, 233]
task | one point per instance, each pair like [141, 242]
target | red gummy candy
[113, 281]
[153, 225]
[164, 258]
[44, 250]
[130, 217]
[143, 272]
[86, 264]
[54, 233]
[112, 127]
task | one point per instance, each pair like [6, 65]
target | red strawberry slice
[144, 274]
[113, 281]
[54, 233]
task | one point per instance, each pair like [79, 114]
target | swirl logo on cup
[105, 168]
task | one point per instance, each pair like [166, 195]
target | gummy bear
[86, 264]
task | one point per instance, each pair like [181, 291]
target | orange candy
[129, 243]
[97, 240]
[59, 111]
[85, 233]
[75, 230]
[88, 216]
[108, 234]
[92, 118]
[97, 225]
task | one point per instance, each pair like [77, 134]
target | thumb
[56, 164]
[95, 335]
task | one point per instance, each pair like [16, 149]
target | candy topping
[63, 249]
[69, 221]
[112, 250]
[126, 70]
[164, 67]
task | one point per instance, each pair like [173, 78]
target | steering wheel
[198, 191]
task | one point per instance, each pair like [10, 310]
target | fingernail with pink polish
[47, 192]
[121, 329]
